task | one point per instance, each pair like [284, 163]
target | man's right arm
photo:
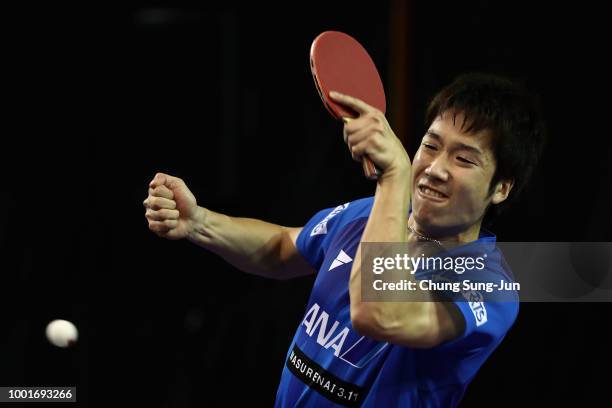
[251, 245]
[254, 246]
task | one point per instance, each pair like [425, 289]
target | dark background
[100, 99]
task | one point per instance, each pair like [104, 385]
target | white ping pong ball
[62, 333]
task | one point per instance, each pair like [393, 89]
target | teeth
[431, 192]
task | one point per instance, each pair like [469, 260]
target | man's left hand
[370, 135]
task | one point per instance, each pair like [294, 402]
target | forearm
[387, 223]
[389, 215]
[251, 245]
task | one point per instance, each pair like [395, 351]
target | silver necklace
[423, 237]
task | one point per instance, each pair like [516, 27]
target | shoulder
[338, 216]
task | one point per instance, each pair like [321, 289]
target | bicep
[294, 264]
[426, 326]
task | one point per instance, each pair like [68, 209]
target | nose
[438, 168]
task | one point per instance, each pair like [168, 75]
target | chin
[426, 219]
[431, 221]
[425, 215]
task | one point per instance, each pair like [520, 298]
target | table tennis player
[484, 136]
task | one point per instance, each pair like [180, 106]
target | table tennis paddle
[339, 63]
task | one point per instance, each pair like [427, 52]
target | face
[452, 171]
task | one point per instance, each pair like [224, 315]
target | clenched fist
[171, 209]
[371, 135]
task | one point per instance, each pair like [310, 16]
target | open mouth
[431, 193]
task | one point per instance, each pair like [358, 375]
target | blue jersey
[329, 364]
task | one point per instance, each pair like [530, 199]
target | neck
[456, 235]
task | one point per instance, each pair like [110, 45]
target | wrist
[394, 190]
[197, 225]
[400, 175]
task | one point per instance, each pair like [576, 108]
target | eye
[464, 160]
[429, 146]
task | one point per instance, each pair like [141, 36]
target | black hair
[510, 112]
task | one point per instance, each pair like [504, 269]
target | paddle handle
[369, 169]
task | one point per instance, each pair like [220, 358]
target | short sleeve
[488, 321]
[319, 232]
[315, 237]
[488, 311]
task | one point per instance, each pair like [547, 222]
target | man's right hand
[251, 245]
[171, 209]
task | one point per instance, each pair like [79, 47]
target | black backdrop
[101, 99]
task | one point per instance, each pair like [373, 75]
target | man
[483, 139]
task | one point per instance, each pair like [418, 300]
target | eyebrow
[462, 146]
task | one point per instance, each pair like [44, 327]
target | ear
[502, 189]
